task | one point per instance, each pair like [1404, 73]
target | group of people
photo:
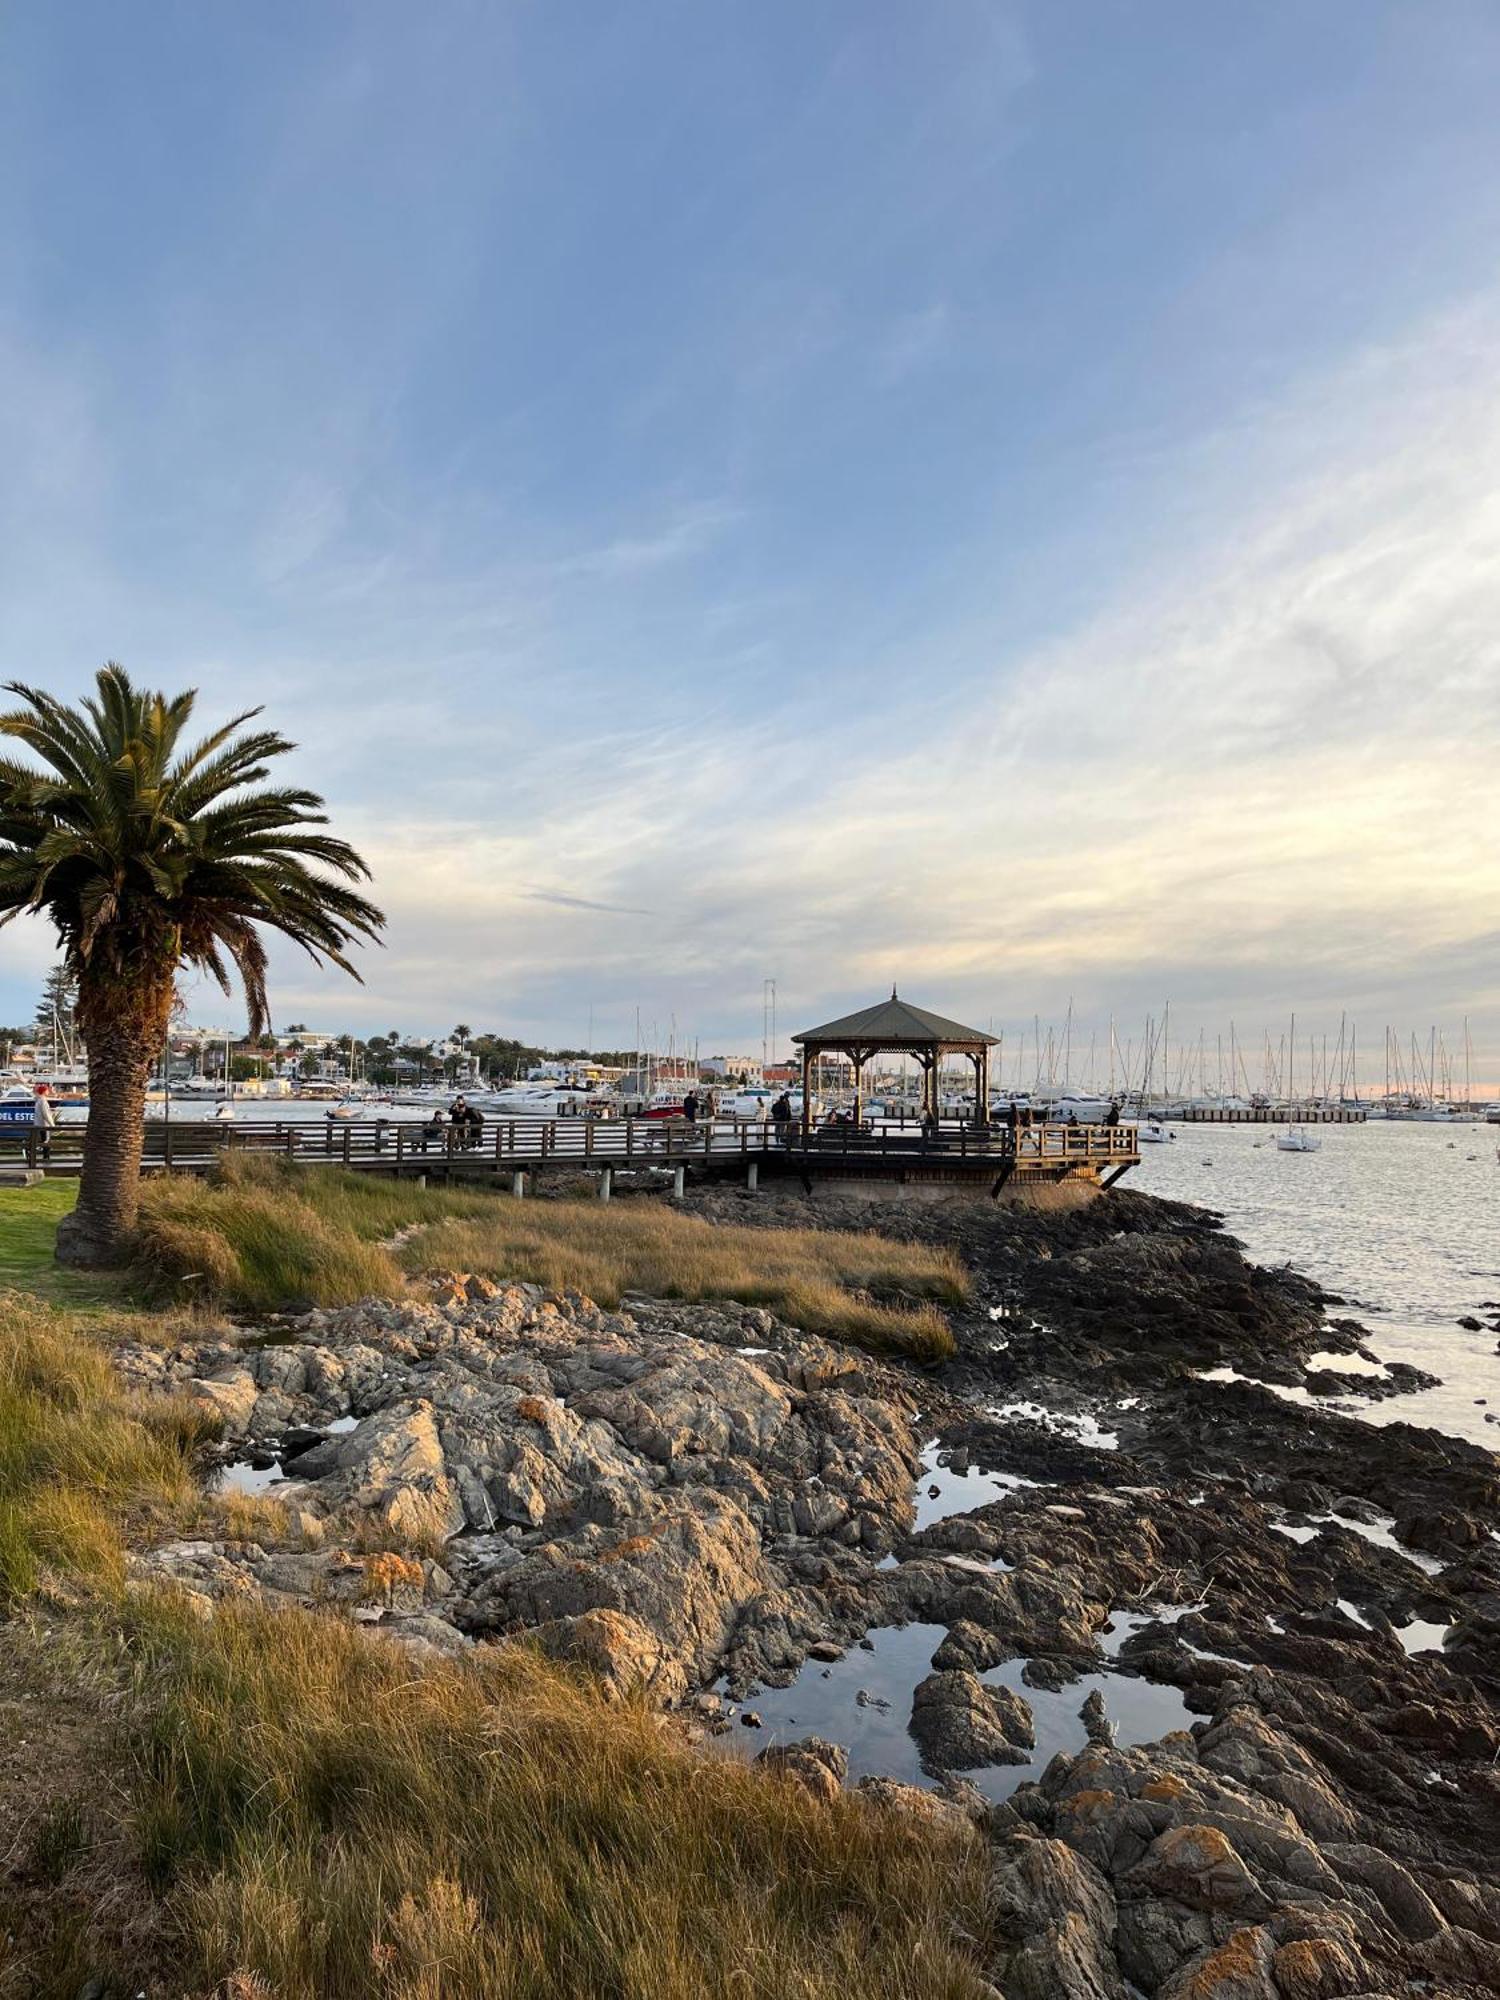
[464, 1120]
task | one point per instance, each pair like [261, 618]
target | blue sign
[15, 1114]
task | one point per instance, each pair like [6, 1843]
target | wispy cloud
[563, 902]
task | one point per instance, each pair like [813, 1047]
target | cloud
[1261, 781]
[582, 903]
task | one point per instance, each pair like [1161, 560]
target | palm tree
[147, 859]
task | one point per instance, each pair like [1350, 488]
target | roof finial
[893, 989]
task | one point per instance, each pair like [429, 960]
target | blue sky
[997, 496]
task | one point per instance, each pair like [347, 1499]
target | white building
[729, 1069]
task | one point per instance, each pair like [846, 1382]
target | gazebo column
[859, 1085]
[806, 1090]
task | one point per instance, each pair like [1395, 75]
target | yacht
[197, 1089]
[1297, 1139]
[1087, 1106]
[532, 1100]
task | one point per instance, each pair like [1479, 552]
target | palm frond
[133, 854]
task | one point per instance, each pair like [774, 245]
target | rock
[1239, 1969]
[890, 1795]
[1095, 1721]
[1394, 1888]
[623, 1653]
[1198, 1866]
[1055, 1917]
[1315, 1968]
[818, 1766]
[232, 1394]
[960, 1724]
[969, 1646]
[691, 1571]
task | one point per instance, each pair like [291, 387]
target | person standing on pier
[781, 1118]
[43, 1121]
[690, 1107]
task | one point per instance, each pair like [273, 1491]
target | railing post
[291, 1140]
[167, 1148]
[348, 1140]
[398, 1151]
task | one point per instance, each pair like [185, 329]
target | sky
[998, 498]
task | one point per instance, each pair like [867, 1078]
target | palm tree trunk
[124, 1028]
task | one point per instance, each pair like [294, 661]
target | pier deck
[957, 1154]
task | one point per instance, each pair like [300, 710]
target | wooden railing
[513, 1143]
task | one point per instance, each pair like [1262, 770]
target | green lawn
[28, 1223]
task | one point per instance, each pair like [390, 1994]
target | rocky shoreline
[980, 1591]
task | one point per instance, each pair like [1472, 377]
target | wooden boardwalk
[516, 1146]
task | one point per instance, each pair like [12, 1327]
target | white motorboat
[1154, 1134]
[532, 1100]
[1087, 1106]
[751, 1104]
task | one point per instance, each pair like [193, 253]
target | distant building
[731, 1069]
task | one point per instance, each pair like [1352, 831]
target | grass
[328, 1821]
[863, 1288]
[28, 1224]
[82, 1461]
[262, 1236]
[281, 1805]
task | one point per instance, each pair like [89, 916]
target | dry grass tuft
[324, 1820]
[867, 1289]
[80, 1458]
[261, 1236]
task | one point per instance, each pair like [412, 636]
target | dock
[977, 1160]
[1264, 1114]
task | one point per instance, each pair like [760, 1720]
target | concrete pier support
[606, 1183]
[420, 1180]
[518, 1185]
[679, 1182]
[752, 1179]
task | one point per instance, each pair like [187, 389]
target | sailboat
[1296, 1138]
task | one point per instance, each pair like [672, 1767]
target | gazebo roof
[893, 1025]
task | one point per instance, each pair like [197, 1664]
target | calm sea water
[1401, 1220]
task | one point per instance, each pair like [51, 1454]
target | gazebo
[895, 1027]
